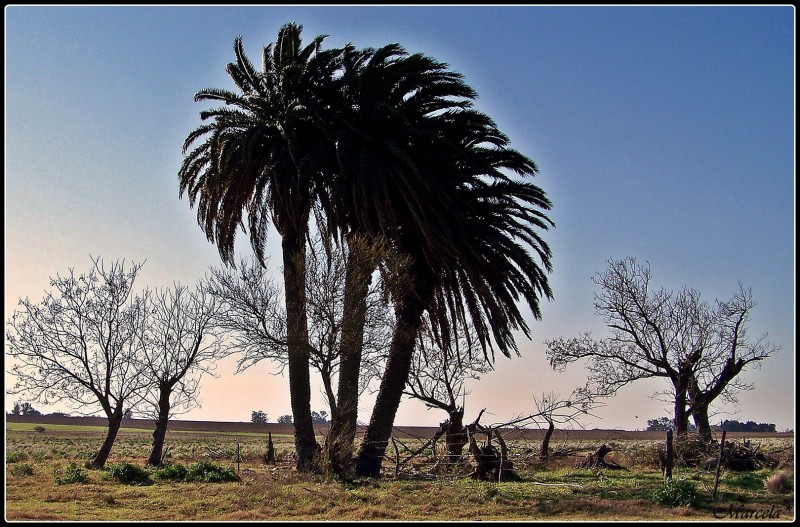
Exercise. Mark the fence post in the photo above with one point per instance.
(668, 460)
(719, 464)
(238, 458)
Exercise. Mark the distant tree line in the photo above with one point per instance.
(663, 424)
(749, 426)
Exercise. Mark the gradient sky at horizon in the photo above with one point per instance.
(663, 133)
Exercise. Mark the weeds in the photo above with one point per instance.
(210, 473)
(129, 474)
(22, 469)
(676, 492)
(72, 474)
(171, 472)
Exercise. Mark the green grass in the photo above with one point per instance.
(24, 427)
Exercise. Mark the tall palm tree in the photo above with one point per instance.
(469, 252)
(263, 156)
(379, 127)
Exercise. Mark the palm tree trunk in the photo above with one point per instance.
(114, 423)
(160, 433)
(360, 265)
(294, 275)
(395, 377)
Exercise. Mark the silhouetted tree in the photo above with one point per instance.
(259, 416)
(181, 345)
(656, 333)
(437, 378)
(285, 419)
(260, 158)
(83, 344)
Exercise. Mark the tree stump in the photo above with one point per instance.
(596, 460)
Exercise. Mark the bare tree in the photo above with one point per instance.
(717, 372)
(349, 350)
(657, 333)
(82, 344)
(250, 310)
(555, 410)
(181, 344)
(437, 377)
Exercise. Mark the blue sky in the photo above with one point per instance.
(663, 133)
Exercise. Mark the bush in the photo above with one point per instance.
(171, 472)
(22, 469)
(14, 457)
(72, 474)
(676, 493)
(210, 473)
(129, 474)
(778, 483)
(39, 429)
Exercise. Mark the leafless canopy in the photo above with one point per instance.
(181, 345)
(659, 333)
(82, 343)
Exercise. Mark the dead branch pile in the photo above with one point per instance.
(491, 464)
(741, 457)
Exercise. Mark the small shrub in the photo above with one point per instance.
(171, 472)
(778, 483)
(210, 473)
(22, 469)
(129, 474)
(72, 474)
(38, 429)
(15, 457)
(676, 493)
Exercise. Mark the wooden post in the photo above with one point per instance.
(719, 465)
(668, 460)
(270, 450)
(238, 458)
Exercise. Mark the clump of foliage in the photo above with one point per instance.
(171, 472)
(22, 469)
(778, 483)
(676, 492)
(15, 457)
(208, 472)
(72, 474)
(129, 474)
(39, 429)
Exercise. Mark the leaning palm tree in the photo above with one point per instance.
(470, 232)
(262, 158)
(380, 127)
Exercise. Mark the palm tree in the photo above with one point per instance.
(263, 155)
(380, 128)
(469, 261)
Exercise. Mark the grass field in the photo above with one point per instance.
(546, 491)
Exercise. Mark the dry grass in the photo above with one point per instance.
(547, 491)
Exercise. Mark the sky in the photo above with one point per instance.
(662, 133)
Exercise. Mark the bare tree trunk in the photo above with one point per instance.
(161, 428)
(114, 423)
(456, 438)
(344, 418)
(294, 275)
(395, 377)
(681, 416)
(700, 415)
(544, 450)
